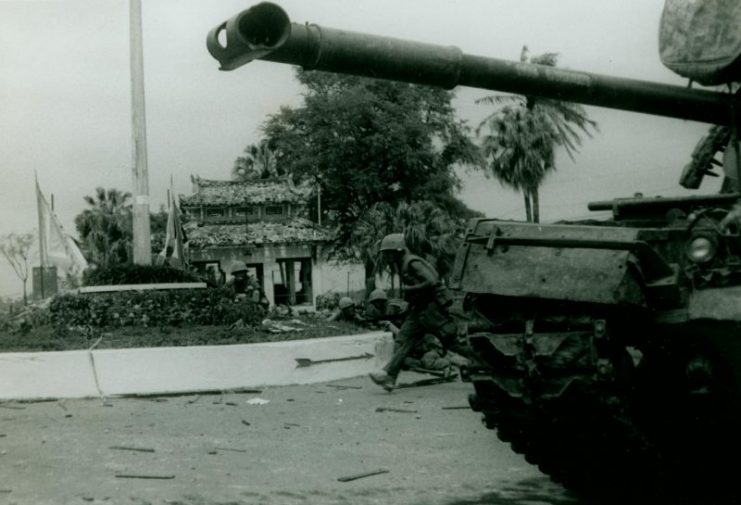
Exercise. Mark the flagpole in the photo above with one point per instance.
(141, 232)
(42, 236)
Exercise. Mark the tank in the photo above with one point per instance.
(609, 352)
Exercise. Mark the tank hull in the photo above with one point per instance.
(600, 362)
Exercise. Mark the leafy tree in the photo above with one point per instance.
(523, 136)
(367, 141)
(16, 249)
(105, 228)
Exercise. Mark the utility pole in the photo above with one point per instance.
(141, 233)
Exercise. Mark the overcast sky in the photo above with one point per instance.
(65, 95)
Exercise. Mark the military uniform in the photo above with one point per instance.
(245, 286)
(428, 314)
(393, 311)
(430, 355)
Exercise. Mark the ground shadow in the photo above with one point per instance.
(533, 491)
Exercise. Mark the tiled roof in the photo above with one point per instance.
(215, 192)
(223, 235)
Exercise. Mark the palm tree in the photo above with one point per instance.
(259, 161)
(523, 135)
(105, 228)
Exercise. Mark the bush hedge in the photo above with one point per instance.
(327, 301)
(135, 274)
(204, 307)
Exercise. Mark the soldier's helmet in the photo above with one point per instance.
(238, 266)
(377, 295)
(346, 302)
(393, 242)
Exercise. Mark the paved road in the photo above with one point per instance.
(220, 449)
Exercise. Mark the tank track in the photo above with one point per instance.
(581, 441)
(604, 442)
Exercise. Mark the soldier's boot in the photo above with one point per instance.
(384, 380)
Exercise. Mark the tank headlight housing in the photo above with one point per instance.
(701, 249)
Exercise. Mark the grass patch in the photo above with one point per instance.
(44, 338)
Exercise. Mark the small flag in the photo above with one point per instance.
(173, 252)
(56, 248)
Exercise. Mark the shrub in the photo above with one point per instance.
(327, 301)
(136, 274)
(152, 308)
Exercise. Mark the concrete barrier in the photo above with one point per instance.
(41, 375)
(168, 370)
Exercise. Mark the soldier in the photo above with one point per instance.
(428, 302)
(345, 311)
(428, 354)
(244, 286)
(383, 311)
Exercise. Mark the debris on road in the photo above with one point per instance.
(257, 401)
(391, 409)
(133, 476)
(126, 448)
(276, 327)
(363, 475)
(191, 402)
(342, 387)
(231, 404)
(426, 382)
(162, 396)
(304, 362)
(245, 422)
(230, 449)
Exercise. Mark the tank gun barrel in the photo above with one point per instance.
(265, 32)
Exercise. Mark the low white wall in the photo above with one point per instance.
(187, 369)
(38, 375)
(337, 277)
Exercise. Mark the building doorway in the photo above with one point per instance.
(292, 282)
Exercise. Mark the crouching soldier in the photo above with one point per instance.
(428, 302)
(246, 287)
(345, 311)
(384, 312)
(430, 355)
